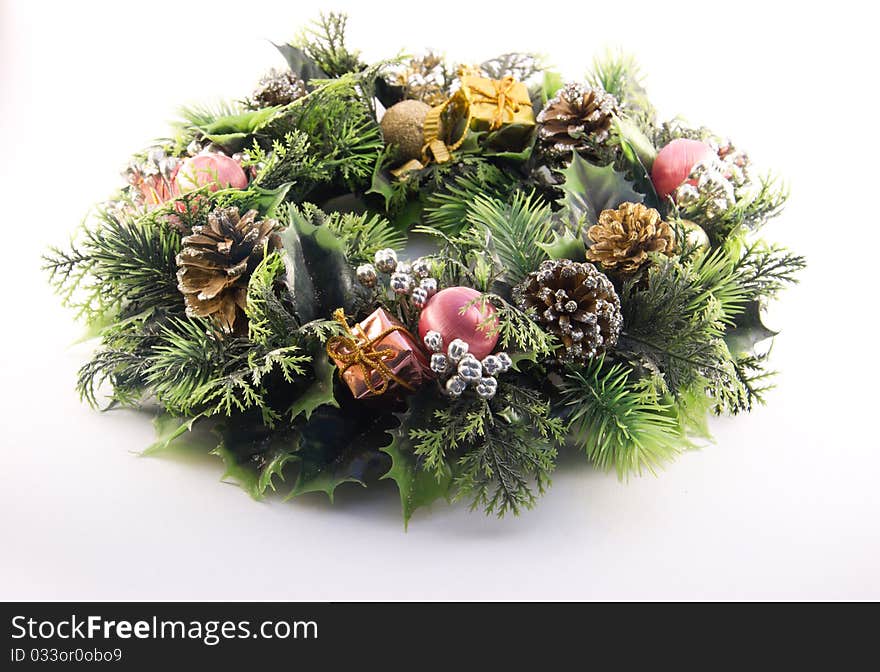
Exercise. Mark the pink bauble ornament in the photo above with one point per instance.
(216, 170)
(443, 314)
(674, 163)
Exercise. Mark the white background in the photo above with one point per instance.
(785, 505)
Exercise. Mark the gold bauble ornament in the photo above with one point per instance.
(402, 126)
(694, 235)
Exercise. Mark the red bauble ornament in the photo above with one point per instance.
(216, 170)
(443, 314)
(675, 162)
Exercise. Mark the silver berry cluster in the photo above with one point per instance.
(156, 164)
(458, 369)
(717, 182)
(411, 279)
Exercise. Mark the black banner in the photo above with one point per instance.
(397, 635)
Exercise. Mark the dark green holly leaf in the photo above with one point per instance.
(417, 487)
(299, 63)
(591, 189)
(296, 276)
(639, 153)
(254, 456)
(748, 331)
(320, 390)
(337, 447)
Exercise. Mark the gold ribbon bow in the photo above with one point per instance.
(356, 349)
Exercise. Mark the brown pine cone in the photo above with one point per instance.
(578, 118)
(278, 88)
(576, 303)
(217, 261)
(623, 238)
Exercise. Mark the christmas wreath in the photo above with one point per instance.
(441, 275)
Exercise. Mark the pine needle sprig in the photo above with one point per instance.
(516, 230)
(124, 265)
(324, 43)
(446, 207)
(619, 425)
(765, 270)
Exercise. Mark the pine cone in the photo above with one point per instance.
(623, 238)
(217, 261)
(278, 88)
(575, 302)
(578, 118)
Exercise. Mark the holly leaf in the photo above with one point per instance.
(320, 390)
(255, 457)
(589, 189)
(565, 246)
(300, 63)
(639, 152)
(417, 486)
(169, 430)
(335, 448)
(323, 254)
(232, 131)
(748, 331)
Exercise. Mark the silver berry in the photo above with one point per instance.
(455, 386)
(366, 275)
(434, 341)
(492, 365)
(421, 268)
(469, 368)
(429, 285)
(505, 360)
(401, 283)
(487, 387)
(439, 362)
(457, 349)
(385, 260)
(419, 297)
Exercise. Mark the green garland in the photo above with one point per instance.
(317, 164)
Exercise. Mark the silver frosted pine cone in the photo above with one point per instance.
(576, 303)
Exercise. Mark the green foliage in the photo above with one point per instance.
(324, 43)
(754, 206)
(121, 267)
(589, 189)
(328, 137)
(618, 73)
(418, 487)
(764, 270)
(318, 276)
(516, 332)
(510, 442)
(515, 231)
(620, 424)
(446, 208)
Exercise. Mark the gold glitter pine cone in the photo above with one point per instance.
(578, 118)
(624, 238)
(575, 302)
(217, 261)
